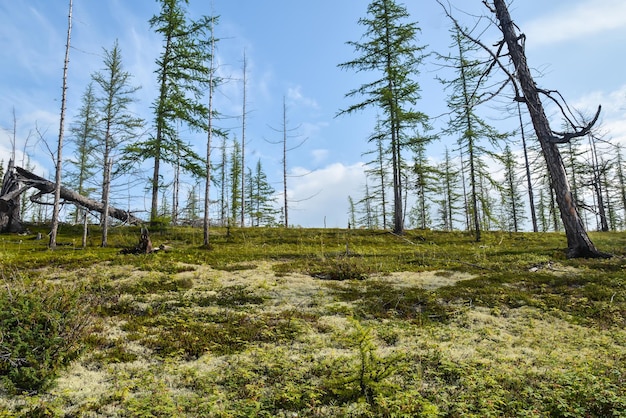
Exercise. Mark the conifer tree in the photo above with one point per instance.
(425, 185)
(389, 51)
(620, 177)
(450, 198)
(512, 205)
(378, 171)
(262, 198)
(351, 213)
(234, 181)
(223, 182)
(475, 135)
(84, 136)
(369, 216)
(183, 75)
(117, 124)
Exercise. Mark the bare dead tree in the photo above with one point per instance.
(207, 184)
(285, 131)
(59, 161)
(512, 49)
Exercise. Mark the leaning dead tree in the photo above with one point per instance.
(17, 180)
(512, 49)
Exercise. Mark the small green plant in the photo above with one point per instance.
(365, 375)
(42, 329)
(341, 268)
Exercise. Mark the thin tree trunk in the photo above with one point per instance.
(207, 184)
(106, 189)
(59, 162)
(531, 198)
(243, 142)
(578, 242)
(286, 207)
(604, 225)
(176, 187)
(160, 116)
(383, 182)
(85, 228)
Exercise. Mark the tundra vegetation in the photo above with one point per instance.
(287, 322)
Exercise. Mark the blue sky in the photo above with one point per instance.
(292, 49)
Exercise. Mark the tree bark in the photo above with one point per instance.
(59, 157)
(10, 219)
(578, 242)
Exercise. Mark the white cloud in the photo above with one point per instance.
(587, 18)
(294, 95)
(319, 155)
(320, 197)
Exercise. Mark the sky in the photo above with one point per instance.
(292, 49)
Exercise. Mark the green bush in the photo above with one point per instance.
(42, 328)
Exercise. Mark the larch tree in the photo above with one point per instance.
(449, 201)
(378, 170)
(476, 138)
(262, 198)
(369, 216)
(117, 125)
(389, 52)
(575, 168)
(235, 170)
(512, 204)
(529, 181)
(597, 184)
(84, 137)
(223, 181)
(211, 130)
(182, 78)
(620, 181)
(351, 213)
(424, 184)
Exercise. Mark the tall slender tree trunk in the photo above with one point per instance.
(531, 197)
(578, 242)
(597, 182)
(243, 142)
(621, 183)
(383, 181)
(106, 191)
(464, 184)
(160, 122)
(285, 205)
(223, 204)
(176, 187)
(207, 184)
(57, 178)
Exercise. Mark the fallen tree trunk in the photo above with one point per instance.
(10, 191)
(20, 180)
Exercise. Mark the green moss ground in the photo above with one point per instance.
(334, 323)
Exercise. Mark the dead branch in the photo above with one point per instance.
(565, 137)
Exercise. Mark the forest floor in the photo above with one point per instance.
(325, 323)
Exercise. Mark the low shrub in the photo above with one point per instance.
(42, 329)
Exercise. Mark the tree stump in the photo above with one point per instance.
(143, 247)
(10, 219)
